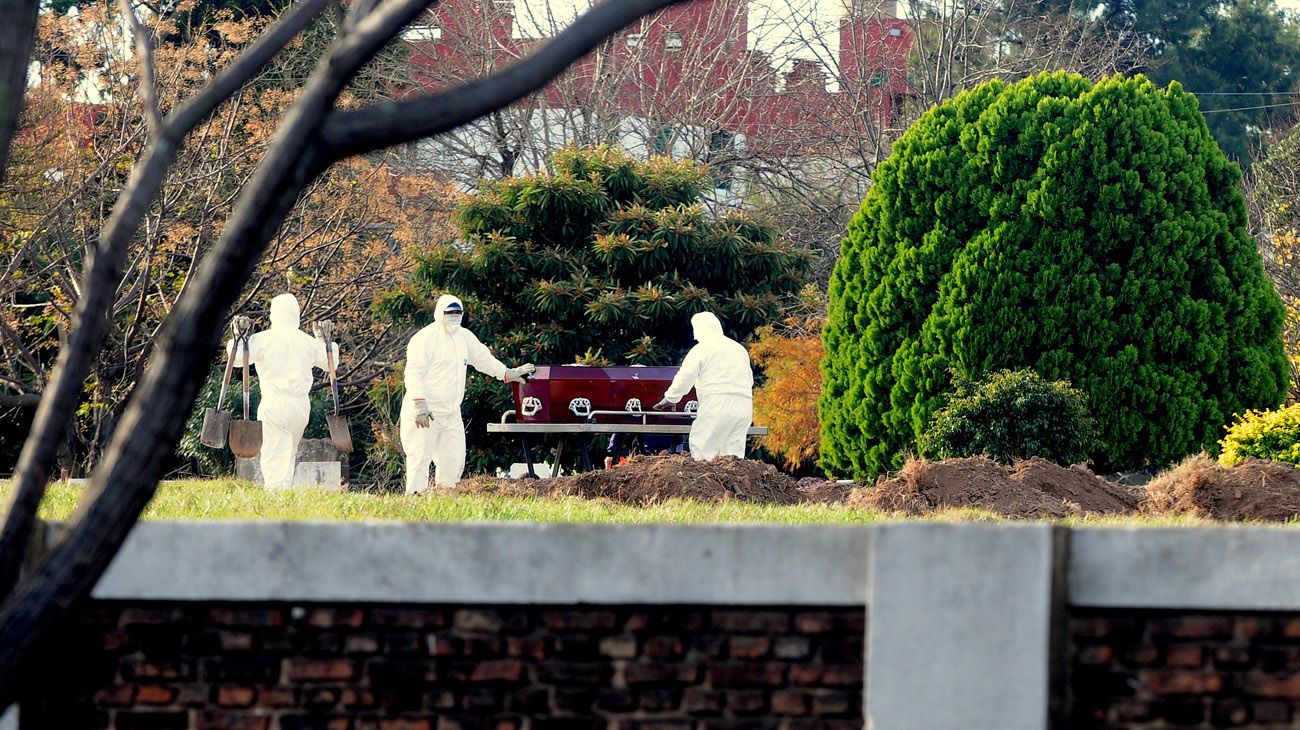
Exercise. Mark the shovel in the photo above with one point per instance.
(340, 435)
(216, 422)
(245, 435)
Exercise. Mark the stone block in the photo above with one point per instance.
(309, 450)
(324, 474)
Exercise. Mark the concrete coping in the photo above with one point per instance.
(506, 563)
(1228, 568)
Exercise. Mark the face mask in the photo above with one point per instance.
(451, 320)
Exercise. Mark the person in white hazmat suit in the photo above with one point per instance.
(284, 356)
(718, 368)
(431, 427)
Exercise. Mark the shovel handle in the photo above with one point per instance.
(230, 368)
(324, 330)
(244, 338)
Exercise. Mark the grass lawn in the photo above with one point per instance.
(227, 499)
(224, 499)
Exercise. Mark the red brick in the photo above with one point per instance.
(651, 673)
(1103, 628)
(824, 622)
(140, 615)
(1095, 655)
(407, 618)
(194, 695)
(1192, 627)
(1182, 683)
(829, 675)
(361, 644)
(662, 647)
(1290, 628)
(401, 724)
(1232, 657)
(353, 698)
(528, 648)
(670, 619)
(790, 703)
(316, 670)
(155, 694)
(321, 698)
(313, 722)
(501, 670)
(749, 647)
(733, 674)
(1253, 627)
(701, 701)
(270, 617)
(442, 644)
(329, 618)
(277, 697)
(236, 696)
(140, 669)
(1144, 655)
(772, 622)
(747, 702)
(579, 620)
(832, 703)
(1185, 656)
(231, 721)
(1279, 687)
(112, 642)
(622, 646)
(574, 673)
(235, 640)
(118, 695)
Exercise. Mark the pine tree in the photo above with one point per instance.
(1092, 233)
(602, 262)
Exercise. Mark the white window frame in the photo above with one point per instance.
(422, 32)
(672, 41)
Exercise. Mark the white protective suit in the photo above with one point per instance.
(435, 371)
(284, 356)
(718, 369)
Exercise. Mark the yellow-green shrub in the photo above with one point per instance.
(1272, 435)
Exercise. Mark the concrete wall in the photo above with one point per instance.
(970, 625)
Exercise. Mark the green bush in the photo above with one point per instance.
(1272, 435)
(1011, 414)
(1090, 232)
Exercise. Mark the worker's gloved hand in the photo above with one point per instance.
(521, 373)
(422, 415)
(664, 405)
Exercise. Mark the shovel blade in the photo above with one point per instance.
(246, 438)
(216, 424)
(340, 435)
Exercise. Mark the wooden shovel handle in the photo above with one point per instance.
(244, 339)
(325, 330)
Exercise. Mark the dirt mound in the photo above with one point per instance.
(1267, 491)
(648, 479)
(1033, 489)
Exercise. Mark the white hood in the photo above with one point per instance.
(445, 301)
(706, 326)
(285, 312)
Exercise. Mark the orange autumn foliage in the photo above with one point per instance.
(787, 401)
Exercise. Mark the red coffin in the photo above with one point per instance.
(577, 394)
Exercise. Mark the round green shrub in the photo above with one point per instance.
(1090, 232)
(1011, 414)
(1272, 435)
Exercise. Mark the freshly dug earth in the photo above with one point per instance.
(1267, 491)
(648, 479)
(1032, 489)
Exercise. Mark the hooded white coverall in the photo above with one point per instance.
(284, 356)
(435, 371)
(718, 369)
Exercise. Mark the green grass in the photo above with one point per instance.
(234, 500)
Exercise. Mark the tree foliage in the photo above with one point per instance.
(603, 262)
(1008, 415)
(1263, 434)
(786, 402)
(350, 235)
(1091, 232)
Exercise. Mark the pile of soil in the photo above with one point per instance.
(1267, 491)
(645, 480)
(1032, 489)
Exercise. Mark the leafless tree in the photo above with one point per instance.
(315, 134)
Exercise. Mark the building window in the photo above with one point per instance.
(634, 40)
(879, 79)
(663, 141)
(672, 41)
(419, 33)
(895, 32)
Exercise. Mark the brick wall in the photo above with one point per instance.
(1192, 670)
(438, 668)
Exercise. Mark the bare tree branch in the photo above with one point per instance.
(149, 85)
(17, 34)
(385, 125)
(89, 321)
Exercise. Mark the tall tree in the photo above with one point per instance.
(315, 134)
